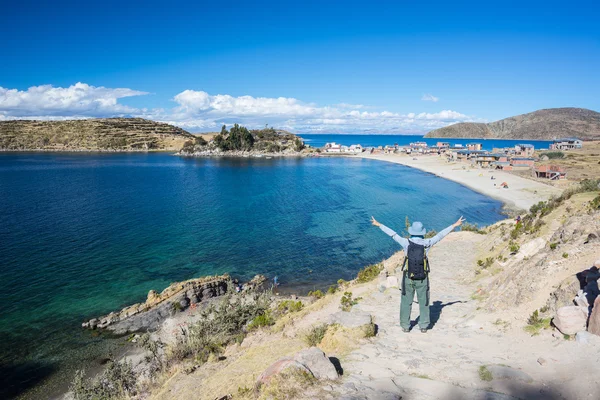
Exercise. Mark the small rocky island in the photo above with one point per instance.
(240, 141)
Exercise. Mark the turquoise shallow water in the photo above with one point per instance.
(319, 140)
(85, 234)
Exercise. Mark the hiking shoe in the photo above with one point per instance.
(423, 330)
(405, 330)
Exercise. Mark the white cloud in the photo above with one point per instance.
(196, 109)
(77, 100)
(201, 111)
(430, 97)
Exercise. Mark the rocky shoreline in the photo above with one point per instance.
(241, 154)
(159, 306)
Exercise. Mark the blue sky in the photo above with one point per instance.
(306, 66)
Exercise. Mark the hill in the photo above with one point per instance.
(106, 134)
(547, 124)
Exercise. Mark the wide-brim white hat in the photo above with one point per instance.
(417, 229)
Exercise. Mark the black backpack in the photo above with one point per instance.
(416, 264)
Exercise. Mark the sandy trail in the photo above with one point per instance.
(521, 194)
(445, 362)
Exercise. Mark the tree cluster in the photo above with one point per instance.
(237, 138)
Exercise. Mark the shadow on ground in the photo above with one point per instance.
(15, 380)
(435, 312)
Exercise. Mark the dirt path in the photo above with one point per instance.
(464, 343)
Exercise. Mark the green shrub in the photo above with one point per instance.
(513, 247)
(565, 255)
(369, 273)
(200, 141)
(485, 264)
(535, 323)
(430, 234)
(485, 374)
(290, 306)
(347, 301)
(537, 207)
(315, 335)
(332, 289)
(117, 381)
(317, 294)
(261, 320)
(223, 323)
(472, 228)
(553, 245)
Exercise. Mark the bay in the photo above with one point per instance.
(85, 234)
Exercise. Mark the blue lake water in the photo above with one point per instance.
(84, 234)
(319, 140)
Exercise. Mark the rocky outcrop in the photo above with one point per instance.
(158, 306)
(105, 134)
(594, 323)
(544, 124)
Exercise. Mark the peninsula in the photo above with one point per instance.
(547, 124)
(104, 134)
(240, 141)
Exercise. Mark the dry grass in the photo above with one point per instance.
(237, 371)
(340, 341)
(579, 164)
(291, 384)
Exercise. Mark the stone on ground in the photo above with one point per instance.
(570, 319)
(587, 338)
(278, 367)
(317, 362)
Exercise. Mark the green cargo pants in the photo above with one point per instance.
(406, 300)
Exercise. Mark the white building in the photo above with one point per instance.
(355, 148)
(333, 147)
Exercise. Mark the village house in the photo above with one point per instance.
(566, 144)
(484, 160)
(524, 150)
(355, 148)
(418, 145)
(333, 148)
(468, 155)
(442, 145)
(552, 172)
(522, 162)
(474, 146)
(503, 165)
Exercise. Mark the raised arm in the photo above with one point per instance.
(444, 233)
(399, 239)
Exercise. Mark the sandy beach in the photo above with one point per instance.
(521, 194)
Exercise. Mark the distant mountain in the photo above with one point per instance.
(105, 134)
(547, 124)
